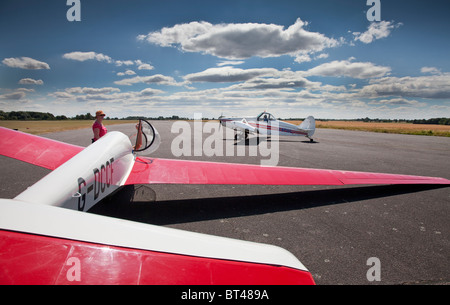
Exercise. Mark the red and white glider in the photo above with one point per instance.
(45, 239)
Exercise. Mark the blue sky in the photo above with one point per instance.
(292, 58)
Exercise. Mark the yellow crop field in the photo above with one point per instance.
(400, 128)
(40, 127)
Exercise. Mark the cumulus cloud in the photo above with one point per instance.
(30, 81)
(302, 58)
(25, 63)
(276, 83)
(431, 70)
(252, 79)
(150, 92)
(83, 56)
(347, 68)
(228, 74)
(127, 72)
(397, 102)
(433, 87)
(230, 63)
(124, 62)
(376, 30)
(153, 79)
(145, 67)
(13, 96)
(89, 90)
(241, 40)
(107, 96)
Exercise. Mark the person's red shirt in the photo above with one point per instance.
(102, 129)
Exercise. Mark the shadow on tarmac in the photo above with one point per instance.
(138, 203)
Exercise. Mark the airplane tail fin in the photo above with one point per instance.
(309, 125)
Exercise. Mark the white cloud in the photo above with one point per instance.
(83, 56)
(302, 58)
(61, 95)
(145, 67)
(153, 79)
(431, 70)
(230, 63)
(376, 30)
(276, 83)
(433, 87)
(253, 79)
(124, 62)
(150, 92)
(321, 56)
(397, 102)
(25, 63)
(127, 72)
(228, 74)
(30, 81)
(89, 90)
(347, 68)
(107, 97)
(178, 34)
(241, 40)
(13, 96)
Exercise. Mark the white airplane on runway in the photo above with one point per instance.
(266, 124)
(46, 238)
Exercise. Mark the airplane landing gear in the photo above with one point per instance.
(239, 136)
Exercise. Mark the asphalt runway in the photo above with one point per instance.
(333, 231)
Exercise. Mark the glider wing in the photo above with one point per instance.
(42, 244)
(36, 150)
(162, 171)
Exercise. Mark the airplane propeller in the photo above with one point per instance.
(220, 121)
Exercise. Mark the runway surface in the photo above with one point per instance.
(333, 231)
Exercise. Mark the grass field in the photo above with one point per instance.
(40, 127)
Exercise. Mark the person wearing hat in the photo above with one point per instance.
(98, 128)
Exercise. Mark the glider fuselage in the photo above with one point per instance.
(88, 177)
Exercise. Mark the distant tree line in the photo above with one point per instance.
(173, 117)
(438, 121)
(46, 116)
(434, 121)
(29, 115)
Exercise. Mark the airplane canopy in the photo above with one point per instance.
(147, 139)
(265, 116)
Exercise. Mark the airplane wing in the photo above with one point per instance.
(167, 171)
(241, 125)
(36, 150)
